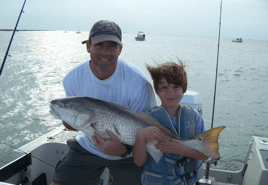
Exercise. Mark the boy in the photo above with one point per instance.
(179, 164)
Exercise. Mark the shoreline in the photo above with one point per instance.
(22, 30)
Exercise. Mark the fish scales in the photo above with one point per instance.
(122, 123)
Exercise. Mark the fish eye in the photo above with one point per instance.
(199, 139)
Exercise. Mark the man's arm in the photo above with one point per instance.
(114, 147)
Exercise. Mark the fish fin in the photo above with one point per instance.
(153, 151)
(210, 142)
(148, 118)
(119, 106)
(106, 102)
(88, 130)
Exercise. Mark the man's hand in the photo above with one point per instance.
(114, 147)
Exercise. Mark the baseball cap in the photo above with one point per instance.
(105, 30)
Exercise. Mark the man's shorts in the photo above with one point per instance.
(79, 166)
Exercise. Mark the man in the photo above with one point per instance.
(110, 79)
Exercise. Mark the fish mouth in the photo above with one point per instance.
(53, 112)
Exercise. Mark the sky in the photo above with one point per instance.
(240, 18)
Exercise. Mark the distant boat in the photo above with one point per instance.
(140, 36)
(78, 32)
(65, 31)
(239, 40)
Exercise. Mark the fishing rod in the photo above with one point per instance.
(15, 29)
(215, 162)
(216, 77)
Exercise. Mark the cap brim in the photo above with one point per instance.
(102, 38)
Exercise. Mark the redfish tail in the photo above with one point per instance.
(210, 142)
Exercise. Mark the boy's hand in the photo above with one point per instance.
(173, 146)
(114, 147)
(152, 133)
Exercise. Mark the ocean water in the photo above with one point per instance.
(39, 60)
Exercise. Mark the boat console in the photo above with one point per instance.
(257, 162)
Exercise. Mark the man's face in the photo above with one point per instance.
(104, 55)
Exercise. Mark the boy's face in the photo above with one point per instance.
(170, 94)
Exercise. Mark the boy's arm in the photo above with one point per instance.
(176, 147)
(139, 150)
(139, 147)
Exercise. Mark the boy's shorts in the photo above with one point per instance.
(79, 166)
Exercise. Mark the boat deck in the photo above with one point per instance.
(62, 136)
(47, 150)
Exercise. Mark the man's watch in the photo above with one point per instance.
(129, 150)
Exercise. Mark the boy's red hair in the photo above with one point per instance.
(173, 73)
